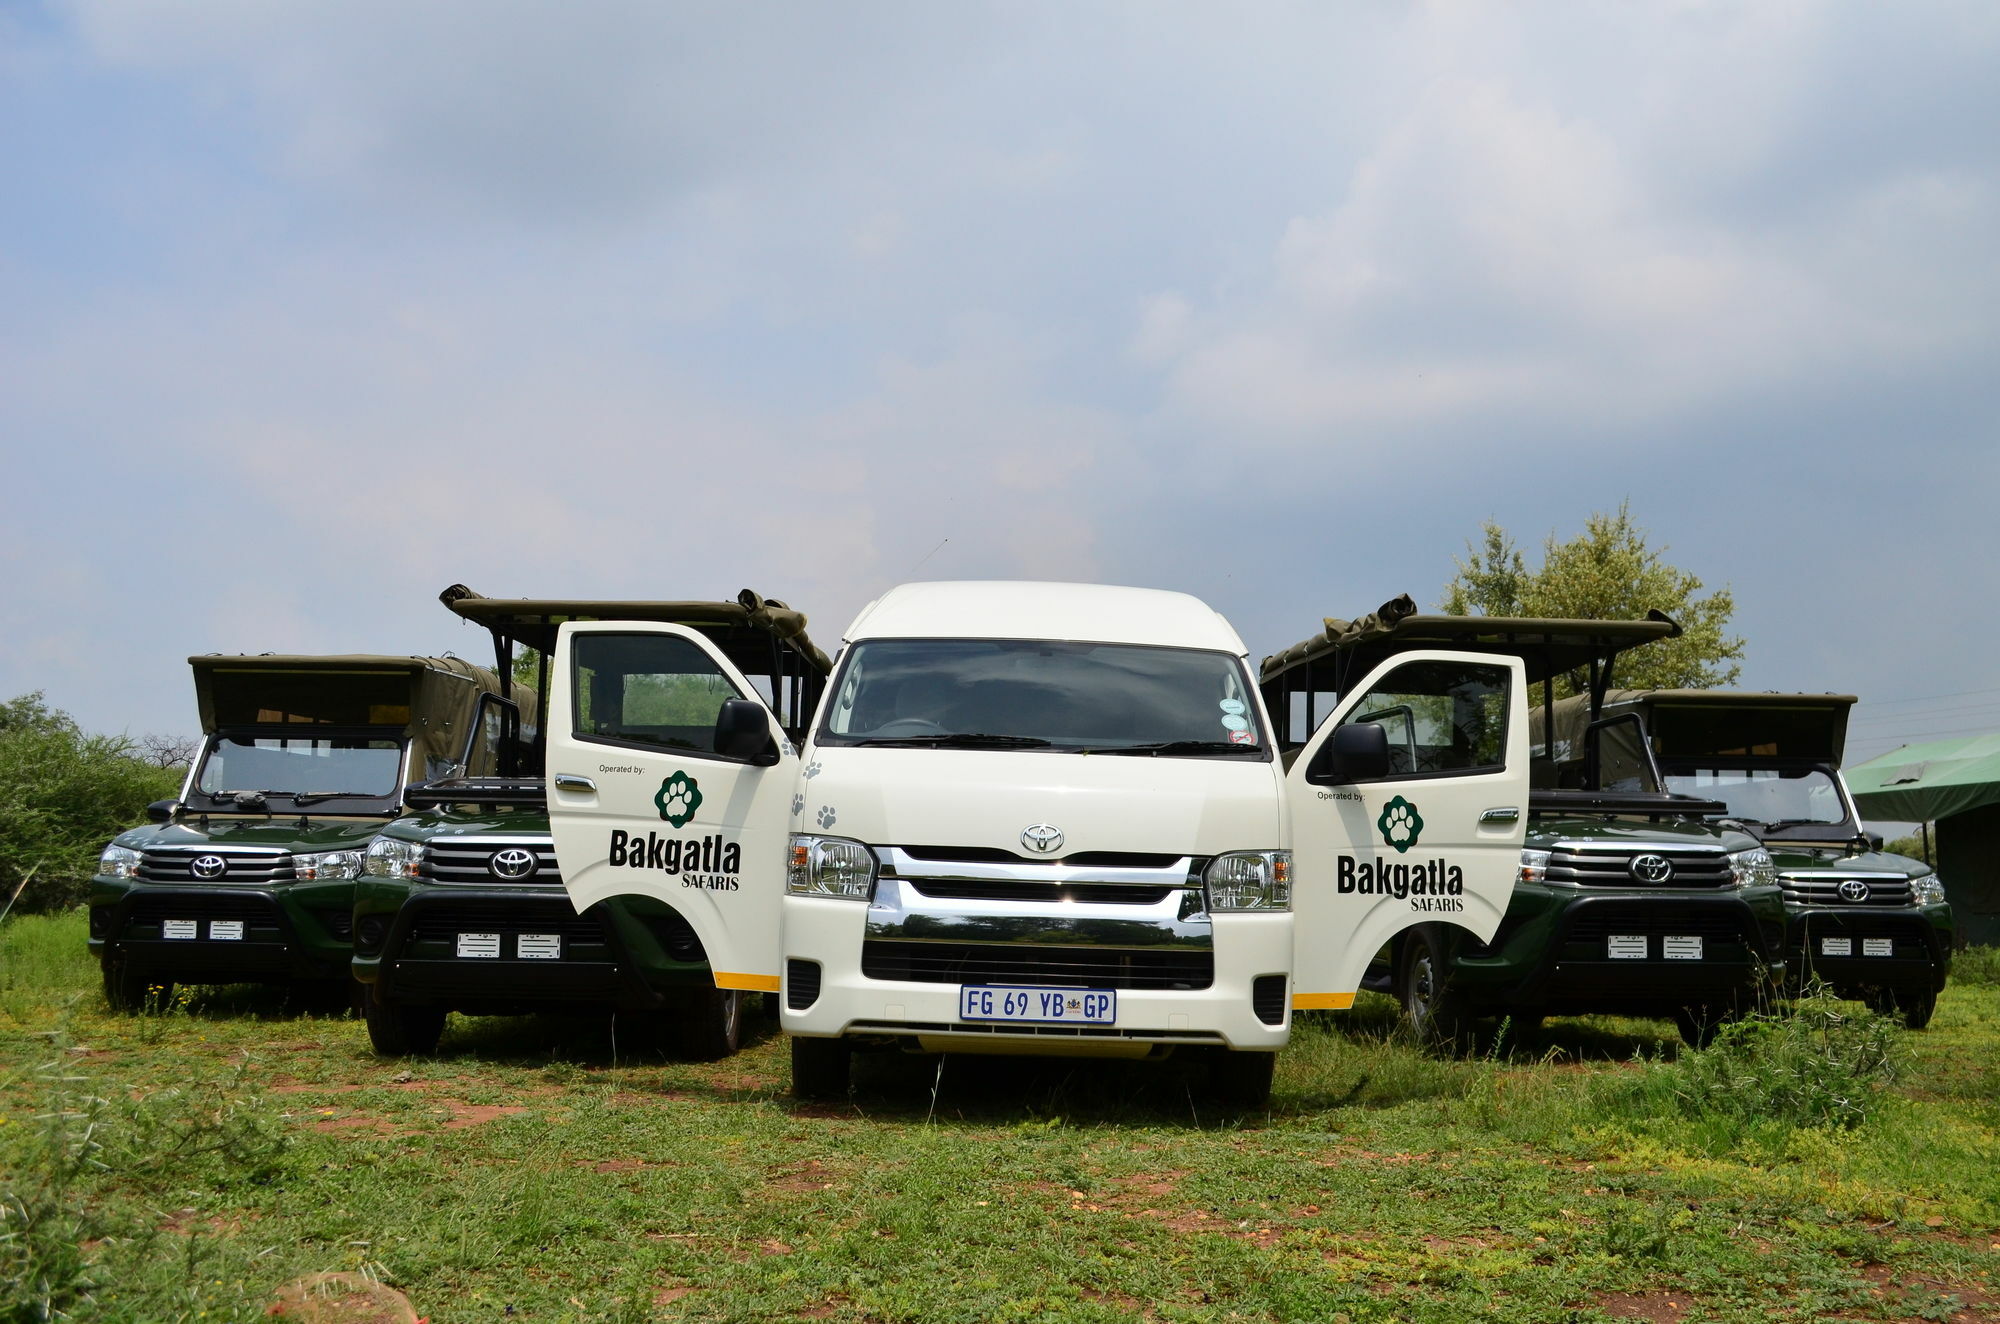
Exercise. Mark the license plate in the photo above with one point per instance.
(539, 946)
(1878, 946)
(226, 930)
(1626, 946)
(1836, 946)
(1681, 948)
(479, 944)
(179, 928)
(1014, 1002)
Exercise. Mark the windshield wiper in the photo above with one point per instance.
(1799, 822)
(1170, 747)
(956, 740)
(314, 797)
(242, 799)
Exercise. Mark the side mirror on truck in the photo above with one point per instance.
(162, 811)
(743, 731)
(1357, 753)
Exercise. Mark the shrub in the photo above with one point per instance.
(1821, 1064)
(1976, 965)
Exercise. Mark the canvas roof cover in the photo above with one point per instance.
(429, 699)
(1932, 780)
(1692, 724)
(743, 629)
(1547, 646)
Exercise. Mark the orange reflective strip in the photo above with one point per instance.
(1322, 1001)
(754, 983)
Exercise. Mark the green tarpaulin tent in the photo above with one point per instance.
(1929, 781)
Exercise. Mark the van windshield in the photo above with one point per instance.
(310, 767)
(1055, 697)
(1774, 797)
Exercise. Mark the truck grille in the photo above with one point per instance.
(1082, 967)
(478, 860)
(444, 921)
(1689, 867)
(1824, 890)
(259, 915)
(177, 864)
(1654, 921)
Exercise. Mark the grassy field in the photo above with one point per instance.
(185, 1166)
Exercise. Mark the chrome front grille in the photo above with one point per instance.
(1096, 878)
(238, 865)
(1592, 866)
(471, 861)
(1823, 889)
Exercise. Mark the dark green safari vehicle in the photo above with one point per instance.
(249, 876)
(1871, 925)
(1630, 900)
(462, 905)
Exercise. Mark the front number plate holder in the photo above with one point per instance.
(485, 946)
(1035, 1004)
(1626, 946)
(1681, 948)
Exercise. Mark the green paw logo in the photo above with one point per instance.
(678, 798)
(1400, 824)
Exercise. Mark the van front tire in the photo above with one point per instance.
(1435, 1010)
(821, 1068)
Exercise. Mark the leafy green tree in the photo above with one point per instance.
(63, 795)
(1605, 573)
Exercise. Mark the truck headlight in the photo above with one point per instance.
(1534, 867)
(1753, 868)
(327, 866)
(1250, 880)
(118, 862)
(390, 857)
(1927, 891)
(830, 866)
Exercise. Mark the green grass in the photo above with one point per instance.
(183, 1167)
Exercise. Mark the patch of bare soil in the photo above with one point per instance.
(462, 1116)
(1658, 1307)
(341, 1298)
(826, 1309)
(666, 1296)
(812, 1175)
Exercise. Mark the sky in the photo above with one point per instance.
(310, 310)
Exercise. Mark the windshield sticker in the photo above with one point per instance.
(678, 797)
(1235, 722)
(1234, 707)
(1400, 824)
(1242, 737)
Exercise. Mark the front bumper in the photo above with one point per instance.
(299, 931)
(1918, 942)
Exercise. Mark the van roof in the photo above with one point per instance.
(1025, 609)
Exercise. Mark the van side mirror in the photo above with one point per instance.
(743, 731)
(1357, 753)
(162, 811)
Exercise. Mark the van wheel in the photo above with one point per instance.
(711, 1024)
(126, 989)
(1916, 1005)
(1433, 1008)
(1241, 1080)
(821, 1068)
(397, 1030)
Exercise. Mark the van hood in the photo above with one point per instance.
(986, 799)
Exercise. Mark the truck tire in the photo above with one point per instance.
(1433, 1009)
(129, 990)
(1915, 1004)
(710, 1026)
(396, 1030)
(821, 1068)
(1241, 1080)
(1699, 1025)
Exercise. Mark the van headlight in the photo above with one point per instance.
(1250, 880)
(391, 857)
(327, 866)
(830, 866)
(1753, 868)
(1927, 891)
(119, 862)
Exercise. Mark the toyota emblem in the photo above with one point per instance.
(1852, 889)
(1042, 838)
(513, 862)
(208, 866)
(1652, 868)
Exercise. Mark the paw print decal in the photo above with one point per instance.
(826, 816)
(812, 770)
(678, 798)
(798, 805)
(1400, 824)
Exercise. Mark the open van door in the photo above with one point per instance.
(669, 777)
(1408, 806)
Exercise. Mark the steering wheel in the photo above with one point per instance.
(908, 726)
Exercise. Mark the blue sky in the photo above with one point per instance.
(309, 310)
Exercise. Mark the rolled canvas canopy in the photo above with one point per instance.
(744, 629)
(1933, 780)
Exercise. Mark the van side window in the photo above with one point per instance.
(648, 689)
(1441, 717)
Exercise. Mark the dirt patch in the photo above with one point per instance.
(623, 1165)
(810, 1176)
(191, 1222)
(1655, 1306)
(826, 1309)
(301, 1087)
(342, 1298)
(666, 1296)
(380, 1126)
(1975, 1305)
(1144, 1184)
(464, 1115)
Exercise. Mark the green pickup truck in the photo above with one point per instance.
(1868, 924)
(249, 875)
(1630, 898)
(462, 906)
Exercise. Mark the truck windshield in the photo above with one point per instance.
(1044, 697)
(307, 766)
(1772, 796)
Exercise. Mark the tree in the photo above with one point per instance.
(1606, 573)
